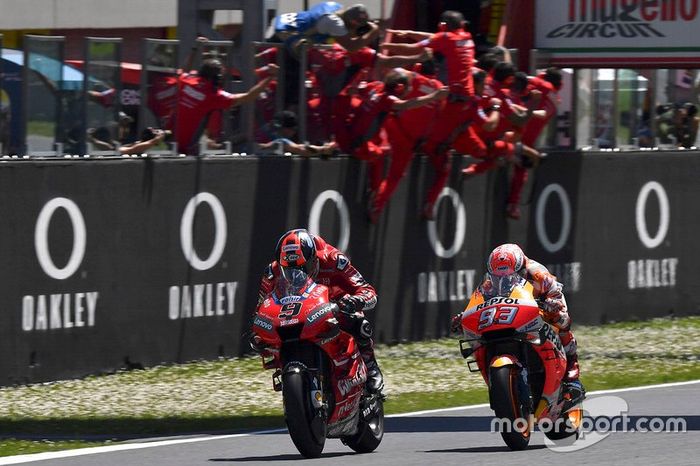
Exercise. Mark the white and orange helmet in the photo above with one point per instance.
(506, 259)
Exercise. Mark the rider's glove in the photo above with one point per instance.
(348, 304)
(456, 325)
(256, 343)
(550, 305)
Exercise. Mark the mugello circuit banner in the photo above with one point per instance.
(109, 264)
(619, 33)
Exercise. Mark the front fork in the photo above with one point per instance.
(316, 382)
(523, 384)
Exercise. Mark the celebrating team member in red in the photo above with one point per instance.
(406, 131)
(534, 93)
(548, 83)
(200, 95)
(299, 250)
(358, 134)
(487, 139)
(455, 44)
(335, 68)
(514, 115)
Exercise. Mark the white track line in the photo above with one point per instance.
(162, 443)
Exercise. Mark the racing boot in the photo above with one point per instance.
(513, 211)
(574, 392)
(375, 379)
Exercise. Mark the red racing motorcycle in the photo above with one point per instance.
(521, 360)
(318, 369)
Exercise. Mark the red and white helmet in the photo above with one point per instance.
(506, 259)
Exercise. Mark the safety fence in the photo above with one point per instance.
(58, 107)
(110, 263)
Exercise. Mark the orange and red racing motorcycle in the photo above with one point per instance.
(522, 361)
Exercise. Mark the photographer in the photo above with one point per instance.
(678, 124)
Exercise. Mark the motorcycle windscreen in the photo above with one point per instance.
(503, 285)
(292, 281)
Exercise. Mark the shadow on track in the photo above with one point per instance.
(438, 424)
(491, 449)
(284, 457)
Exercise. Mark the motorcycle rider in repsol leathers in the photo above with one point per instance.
(509, 259)
(347, 288)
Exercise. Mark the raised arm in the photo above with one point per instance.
(440, 94)
(411, 35)
(402, 49)
(257, 89)
(353, 44)
(397, 61)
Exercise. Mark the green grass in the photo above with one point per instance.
(25, 447)
(236, 394)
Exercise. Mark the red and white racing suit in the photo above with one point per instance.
(548, 291)
(345, 286)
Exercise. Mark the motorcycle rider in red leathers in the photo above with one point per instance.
(508, 259)
(326, 265)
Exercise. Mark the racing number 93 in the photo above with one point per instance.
(289, 310)
(497, 315)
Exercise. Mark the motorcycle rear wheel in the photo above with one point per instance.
(299, 416)
(506, 404)
(369, 432)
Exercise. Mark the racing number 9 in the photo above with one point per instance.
(498, 315)
(289, 310)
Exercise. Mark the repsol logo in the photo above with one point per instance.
(262, 323)
(547, 333)
(497, 300)
(622, 18)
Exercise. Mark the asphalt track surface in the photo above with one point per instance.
(446, 437)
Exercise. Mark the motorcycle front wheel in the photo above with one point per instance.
(509, 408)
(307, 433)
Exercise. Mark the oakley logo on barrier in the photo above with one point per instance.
(460, 227)
(41, 242)
(540, 210)
(186, 231)
(341, 206)
(664, 215)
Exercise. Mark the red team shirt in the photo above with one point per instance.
(197, 98)
(368, 116)
(458, 49)
(413, 121)
(535, 126)
(162, 98)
